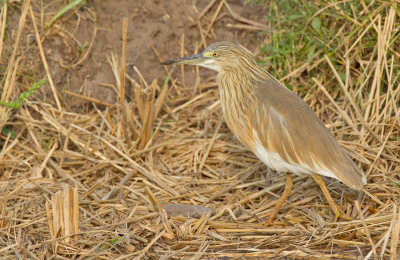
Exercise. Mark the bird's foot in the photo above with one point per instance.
(340, 214)
(335, 209)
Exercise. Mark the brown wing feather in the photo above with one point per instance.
(286, 125)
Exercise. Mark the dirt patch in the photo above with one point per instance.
(152, 24)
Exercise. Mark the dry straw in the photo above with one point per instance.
(162, 176)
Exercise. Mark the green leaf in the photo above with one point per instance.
(5, 131)
(24, 95)
(342, 75)
(116, 240)
(316, 24)
(311, 53)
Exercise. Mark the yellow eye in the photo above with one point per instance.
(214, 54)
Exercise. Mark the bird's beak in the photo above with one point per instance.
(192, 60)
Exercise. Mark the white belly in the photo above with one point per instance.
(275, 161)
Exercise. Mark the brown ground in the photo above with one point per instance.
(193, 191)
(158, 24)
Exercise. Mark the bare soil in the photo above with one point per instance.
(152, 24)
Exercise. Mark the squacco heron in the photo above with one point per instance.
(274, 123)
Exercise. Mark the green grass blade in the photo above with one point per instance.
(68, 7)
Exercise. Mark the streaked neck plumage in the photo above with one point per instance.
(237, 98)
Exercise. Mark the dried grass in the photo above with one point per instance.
(135, 165)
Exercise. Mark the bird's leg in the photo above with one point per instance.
(322, 185)
(281, 200)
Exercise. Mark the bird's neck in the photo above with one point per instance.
(239, 82)
(236, 91)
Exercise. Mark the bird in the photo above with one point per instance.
(274, 123)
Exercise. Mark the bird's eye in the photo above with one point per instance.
(214, 54)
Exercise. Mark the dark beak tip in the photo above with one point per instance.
(168, 62)
(183, 60)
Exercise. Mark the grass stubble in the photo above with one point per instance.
(161, 175)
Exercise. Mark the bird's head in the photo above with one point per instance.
(218, 56)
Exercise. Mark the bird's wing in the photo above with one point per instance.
(286, 125)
